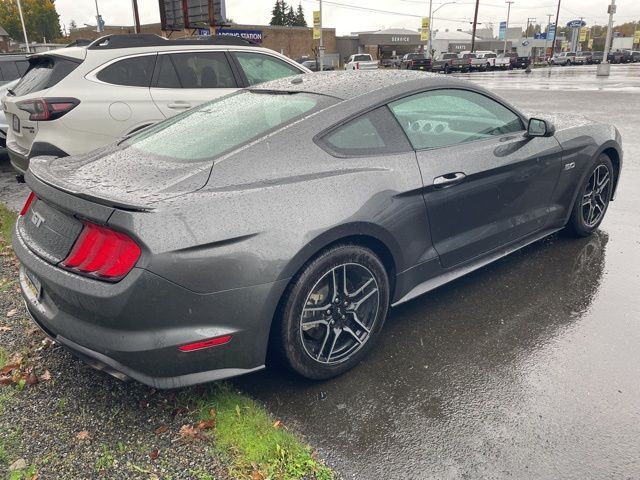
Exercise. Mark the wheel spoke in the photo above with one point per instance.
(314, 323)
(358, 322)
(361, 289)
(353, 334)
(586, 199)
(324, 343)
(333, 344)
(314, 309)
(357, 304)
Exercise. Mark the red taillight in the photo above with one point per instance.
(44, 109)
(103, 253)
(212, 342)
(410, 64)
(27, 204)
(357, 65)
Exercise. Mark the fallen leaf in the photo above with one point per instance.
(154, 454)
(31, 379)
(6, 380)
(19, 464)
(35, 476)
(188, 432)
(256, 475)
(161, 429)
(277, 425)
(83, 435)
(207, 424)
(8, 368)
(178, 411)
(12, 312)
(46, 376)
(5, 329)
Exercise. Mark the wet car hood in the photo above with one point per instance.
(122, 177)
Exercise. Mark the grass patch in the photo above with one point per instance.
(4, 357)
(253, 444)
(7, 221)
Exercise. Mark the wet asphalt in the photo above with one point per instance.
(527, 368)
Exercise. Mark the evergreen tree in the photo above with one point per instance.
(300, 20)
(291, 18)
(278, 13)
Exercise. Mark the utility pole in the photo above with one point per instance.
(556, 30)
(605, 67)
(136, 16)
(509, 2)
(24, 30)
(430, 20)
(321, 46)
(473, 31)
(546, 37)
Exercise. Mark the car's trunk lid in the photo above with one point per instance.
(122, 177)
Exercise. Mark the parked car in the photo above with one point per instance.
(519, 61)
(74, 100)
(393, 61)
(635, 56)
(314, 65)
(596, 57)
(171, 262)
(563, 58)
(449, 62)
(361, 61)
(489, 59)
(503, 61)
(583, 58)
(4, 126)
(12, 67)
(625, 56)
(416, 61)
(473, 62)
(615, 57)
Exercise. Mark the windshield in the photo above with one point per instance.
(415, 56)
(224, 124)
(361, 58)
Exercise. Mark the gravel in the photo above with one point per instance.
(84, 424)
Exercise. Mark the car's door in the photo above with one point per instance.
(486, 183)
(184, 80)
(259, 67)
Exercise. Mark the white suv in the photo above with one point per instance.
(74, 100)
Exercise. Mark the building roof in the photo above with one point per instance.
(453, 35)
(3, 32)
(395, 31)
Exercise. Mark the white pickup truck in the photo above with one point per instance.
(361, 61)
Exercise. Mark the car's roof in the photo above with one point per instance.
(346, 84)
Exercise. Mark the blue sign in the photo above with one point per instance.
(254, 36)
(540, 36)
(551, 34)
(502, 33)
(576, 23)
(204, 32)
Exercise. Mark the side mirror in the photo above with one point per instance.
(540, 128)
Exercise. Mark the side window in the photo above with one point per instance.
(374, 133)
(132, 72)
(167, 75)
(450, 117)
(201, 70)
(260, 68)
(23, 66)
(9, 70)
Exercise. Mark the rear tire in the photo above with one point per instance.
(593, 198)
(332, 312)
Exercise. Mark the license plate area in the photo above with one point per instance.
(33, 284)
(16, 124)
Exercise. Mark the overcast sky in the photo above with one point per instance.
(393, 13)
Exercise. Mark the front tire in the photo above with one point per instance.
(593, 198)
(333, 311)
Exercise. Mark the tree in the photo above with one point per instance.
(73, 25)
(278, 14)
(40, 17)
(300, 20)
(290, 18)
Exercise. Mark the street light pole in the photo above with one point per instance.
(506, 29)
(321, 47)
(431, 21)
(605, 67)
(136, 16)
(24, 30)
(556, 30)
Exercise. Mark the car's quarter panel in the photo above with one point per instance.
(504, 196)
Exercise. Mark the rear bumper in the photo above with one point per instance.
(133, 328)
(20, 157)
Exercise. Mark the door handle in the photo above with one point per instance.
(449, 179)
(179, 105)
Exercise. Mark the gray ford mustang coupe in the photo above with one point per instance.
(288, 217)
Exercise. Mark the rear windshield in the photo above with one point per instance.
(362, 58)
(450, 55)
(44, 72)
(224, 124)
(415, 56)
